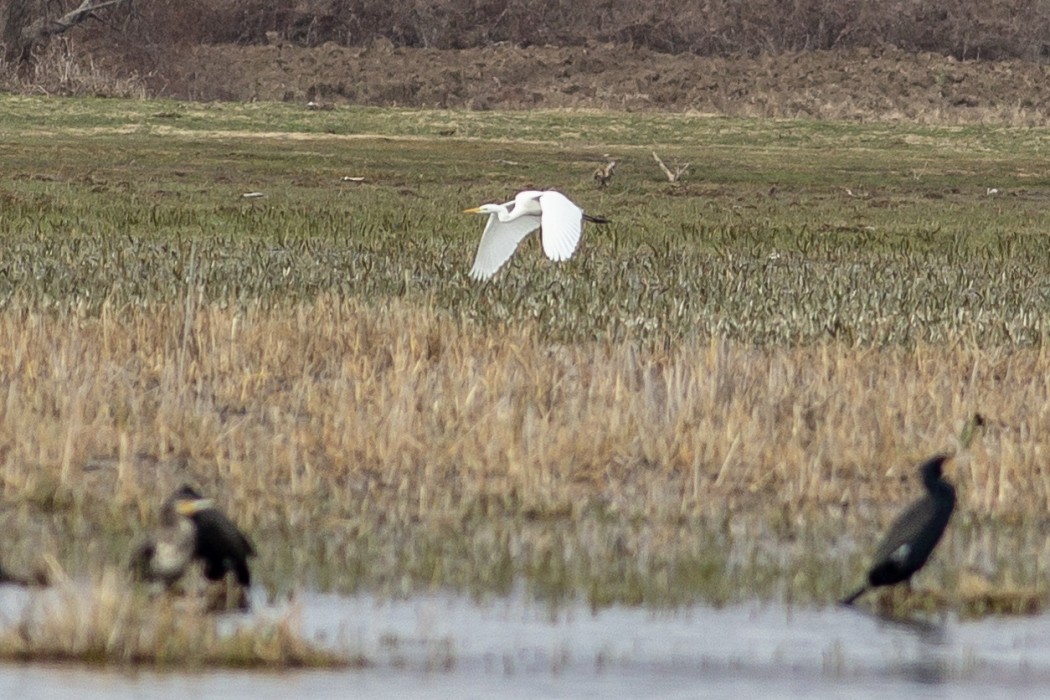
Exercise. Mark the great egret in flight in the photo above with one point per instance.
(558, 218)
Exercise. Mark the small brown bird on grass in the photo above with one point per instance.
(604, 173)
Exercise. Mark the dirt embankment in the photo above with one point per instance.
(854, 84)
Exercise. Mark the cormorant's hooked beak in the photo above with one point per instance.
(970, 430)
(948, 465)
(189, 508)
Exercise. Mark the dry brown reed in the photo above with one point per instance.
(393, 445)
(64, 68)
(335, 405)
(105, 622)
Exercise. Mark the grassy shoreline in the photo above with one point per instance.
(103, 623)
(723, 397)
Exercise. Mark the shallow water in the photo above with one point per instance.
(449, 646)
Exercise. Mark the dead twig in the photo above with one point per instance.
(672, 177)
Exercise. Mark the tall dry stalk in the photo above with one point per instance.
(275, 408)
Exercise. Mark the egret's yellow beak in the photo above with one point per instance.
(474, 210)
(191, 508)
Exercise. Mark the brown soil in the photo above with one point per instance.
(856, 84)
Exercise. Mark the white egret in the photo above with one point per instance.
(558, 218)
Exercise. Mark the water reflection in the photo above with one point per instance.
(930, 671)
(448, 645)
(928, 631)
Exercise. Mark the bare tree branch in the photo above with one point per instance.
(675, 176)
(43, 28)
(22, 35)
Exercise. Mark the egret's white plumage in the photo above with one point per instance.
(558, 218)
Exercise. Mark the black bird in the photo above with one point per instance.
(219, 544)
(913, 535)
(193, 529)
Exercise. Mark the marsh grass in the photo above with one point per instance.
(724, 396)
(105, 622)
(431, 450)
(974, 597)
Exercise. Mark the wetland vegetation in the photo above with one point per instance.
(722, 397)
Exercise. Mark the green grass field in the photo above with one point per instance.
(147, 190)
(721, 397)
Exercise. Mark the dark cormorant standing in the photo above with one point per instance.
(193, 529)
(913, 535)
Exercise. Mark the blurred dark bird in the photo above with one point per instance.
(219, 544)
(192, 529)
(914, 534)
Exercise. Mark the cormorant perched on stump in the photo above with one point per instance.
(913, 535)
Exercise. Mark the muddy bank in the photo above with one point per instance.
(853, 84)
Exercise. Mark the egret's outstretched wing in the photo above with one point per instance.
(498, 243)
(561, 221)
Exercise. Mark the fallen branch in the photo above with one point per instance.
(679, 171)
